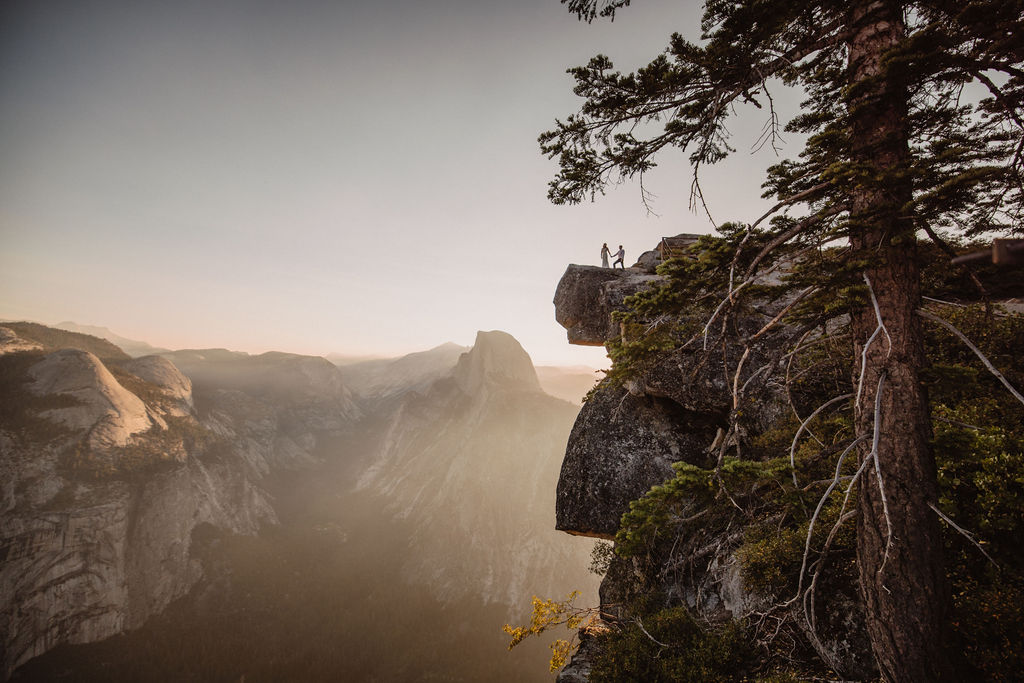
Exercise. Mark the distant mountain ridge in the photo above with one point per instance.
(383, 378)
(132, 347)
(27, 335)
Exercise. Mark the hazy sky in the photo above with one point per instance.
(316, 176)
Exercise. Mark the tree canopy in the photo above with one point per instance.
(914, 117)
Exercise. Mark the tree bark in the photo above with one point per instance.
(899, 547)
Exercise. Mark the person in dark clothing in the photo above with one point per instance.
(620, 255)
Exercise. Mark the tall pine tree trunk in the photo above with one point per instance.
(899, 548)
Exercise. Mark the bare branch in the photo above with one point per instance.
(876, 437)
(977, 352)
(821, 504)
(966, 534)
(652, 638)
(864, 352)
(803, 425)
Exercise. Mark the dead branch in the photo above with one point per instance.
(864, 352)
(964, 532)
(876, 437)
(977, 352)
(803, 425)
(652, 638)
(817, 510)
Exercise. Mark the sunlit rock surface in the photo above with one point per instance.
(471, 462)
(11, 342)
(102, 485)
(162, 373)
(110, 413)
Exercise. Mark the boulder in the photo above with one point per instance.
(587, 296)
(648, 261)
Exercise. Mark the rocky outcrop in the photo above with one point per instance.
(110, 413)
(587, 296)
(629, 433)
(620, 446)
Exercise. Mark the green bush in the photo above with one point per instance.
(671, 646)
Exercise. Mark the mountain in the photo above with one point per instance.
(109, 464)
(471, 462)
(156, 505)
(380, 379)
(132, 347)
(26, 336)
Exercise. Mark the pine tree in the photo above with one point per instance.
(898, 150)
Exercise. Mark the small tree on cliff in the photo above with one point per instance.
(894, 150)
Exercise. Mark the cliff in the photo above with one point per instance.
(109, 463)
(635, 432)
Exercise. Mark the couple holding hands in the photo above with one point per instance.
(619, 256)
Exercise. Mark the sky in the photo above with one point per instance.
(319, 176)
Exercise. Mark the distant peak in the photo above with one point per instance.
(496, 360)
(447, 346)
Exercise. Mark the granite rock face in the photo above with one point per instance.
(163, 374)
(107, 468)
(111, 413)
(627, 437)
(471, 462)
(496, 360)
(621, 446)
(587, 296)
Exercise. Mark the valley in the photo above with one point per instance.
(384, 532)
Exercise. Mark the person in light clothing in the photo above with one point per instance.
(620, 255)
(605, 252)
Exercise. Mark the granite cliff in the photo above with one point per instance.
(470, 461)
(109, 464)
(676, 411)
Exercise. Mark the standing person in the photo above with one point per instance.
(619, 256)
(605, 252)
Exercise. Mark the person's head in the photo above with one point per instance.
(620, 246)
(605, 245)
